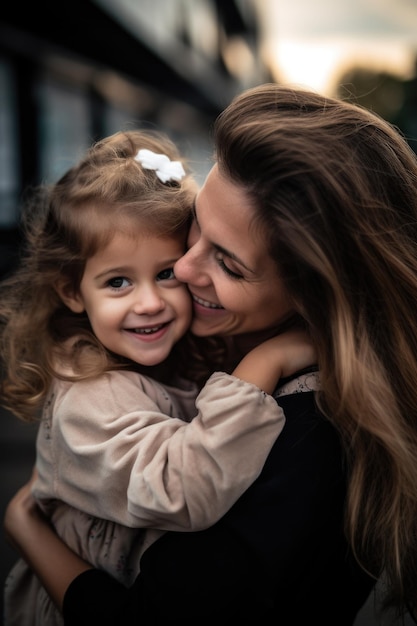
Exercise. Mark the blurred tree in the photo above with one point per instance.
(386, 94)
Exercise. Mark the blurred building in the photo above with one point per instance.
(73, 72)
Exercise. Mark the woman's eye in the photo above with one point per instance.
(167, 274)
(118, 282)
(227, 270)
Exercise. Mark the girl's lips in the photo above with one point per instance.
(150, 333)
(151, 330)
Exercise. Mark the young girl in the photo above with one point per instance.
(93, 310)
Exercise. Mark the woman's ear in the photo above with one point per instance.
(71, 298)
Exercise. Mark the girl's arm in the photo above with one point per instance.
(141, 468)
(276, 358)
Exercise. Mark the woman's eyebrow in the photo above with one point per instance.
(232, 256)
(219, 248)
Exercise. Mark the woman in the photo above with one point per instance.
(310, 214)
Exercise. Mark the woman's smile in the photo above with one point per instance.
(235, 284)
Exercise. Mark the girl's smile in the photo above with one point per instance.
(136, 306)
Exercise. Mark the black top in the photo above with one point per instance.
(279, 555)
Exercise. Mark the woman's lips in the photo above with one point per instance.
(204, 309)
(206, 303)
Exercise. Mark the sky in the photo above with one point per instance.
(310, 42)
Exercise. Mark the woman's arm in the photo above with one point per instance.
(279, 555)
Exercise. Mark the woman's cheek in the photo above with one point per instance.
(193, 235)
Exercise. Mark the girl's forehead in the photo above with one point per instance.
(132, 230)
(136, 235)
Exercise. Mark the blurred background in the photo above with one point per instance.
(74, 72)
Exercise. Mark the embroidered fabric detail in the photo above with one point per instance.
(305, 382)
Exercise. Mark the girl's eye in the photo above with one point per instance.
(227, 269)
(167, 274)
(118, 282)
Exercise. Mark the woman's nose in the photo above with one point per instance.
(184, 268)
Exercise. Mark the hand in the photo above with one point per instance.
(288, 352)
(21, 511)
(276, 358)
(30, 532)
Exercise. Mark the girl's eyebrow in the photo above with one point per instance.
(112, 270)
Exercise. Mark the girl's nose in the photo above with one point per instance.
(148, 300)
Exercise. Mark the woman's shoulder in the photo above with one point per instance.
(308, 434)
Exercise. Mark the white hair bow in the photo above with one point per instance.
(164, 168)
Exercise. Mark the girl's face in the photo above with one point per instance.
(234, 283)
(136, 306)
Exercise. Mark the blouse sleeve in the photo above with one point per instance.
(113, 454)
